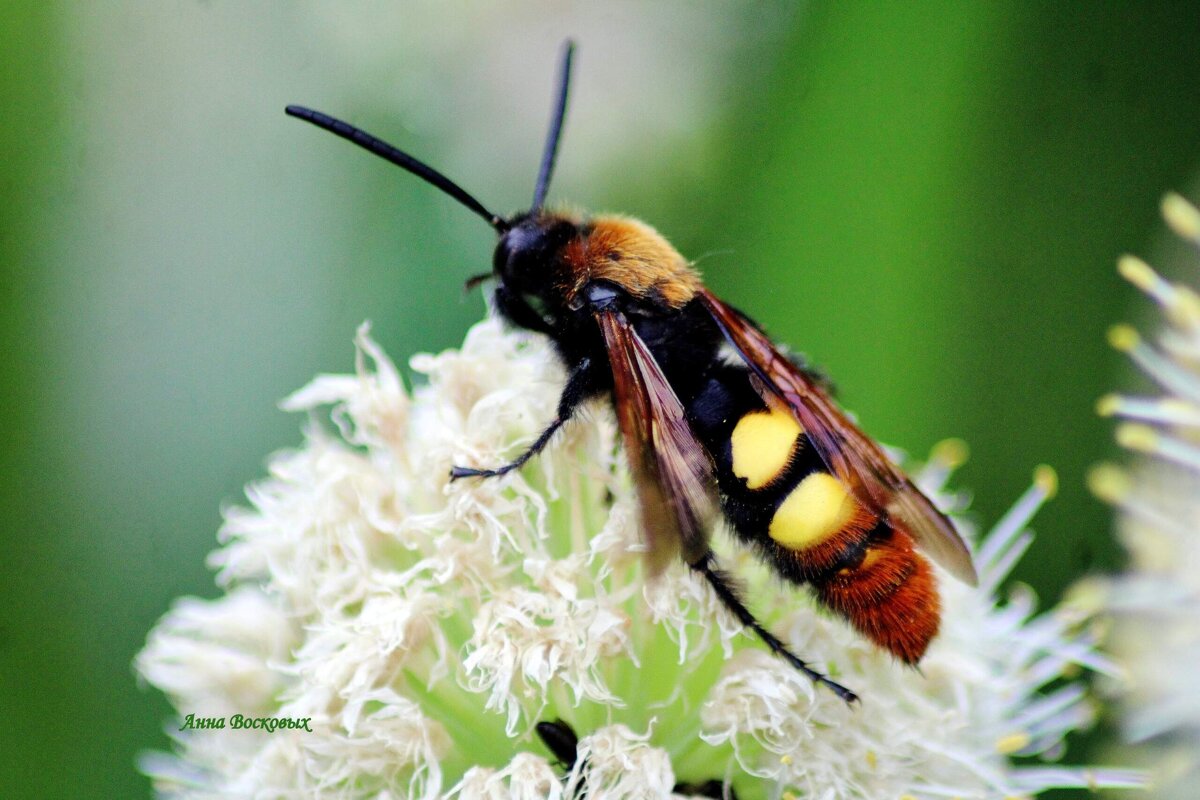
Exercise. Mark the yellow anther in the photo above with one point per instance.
(1142, 438)
(1137, 272)
(1007, 745)
(1181, 216)
(1109, 482)
(1046, 480)
(785, 760)
(1123, 337)
(1185, 306)
(1107, 406)
(951, 452)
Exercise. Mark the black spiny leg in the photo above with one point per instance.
(721, 584)
(520, 313)
(579, 385)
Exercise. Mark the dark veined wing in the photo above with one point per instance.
(848, 453)
(672, 471)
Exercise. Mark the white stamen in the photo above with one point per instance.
(424, 627)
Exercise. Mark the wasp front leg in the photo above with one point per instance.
(580, 385)
(513, 308)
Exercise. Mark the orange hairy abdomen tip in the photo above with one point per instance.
(890, 597)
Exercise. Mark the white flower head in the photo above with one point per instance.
(1156, 603)
(423, 627)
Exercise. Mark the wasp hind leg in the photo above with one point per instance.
(579, 387)
(723, 586)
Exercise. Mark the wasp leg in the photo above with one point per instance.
(579, 386)
(511, 305)
(728, 595)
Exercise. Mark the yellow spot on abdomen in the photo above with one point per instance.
(815, 510)
(762, 442)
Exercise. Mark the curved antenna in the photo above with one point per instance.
(398, 157)
(556, 123)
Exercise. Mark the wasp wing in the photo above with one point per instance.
(672, 471)
(848, 453)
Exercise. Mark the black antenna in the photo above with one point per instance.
(398, 157)
(556, 123)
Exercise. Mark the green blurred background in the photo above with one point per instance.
(926, 198)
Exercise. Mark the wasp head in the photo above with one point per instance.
(529, 258)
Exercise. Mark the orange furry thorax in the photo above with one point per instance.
(632, 255)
